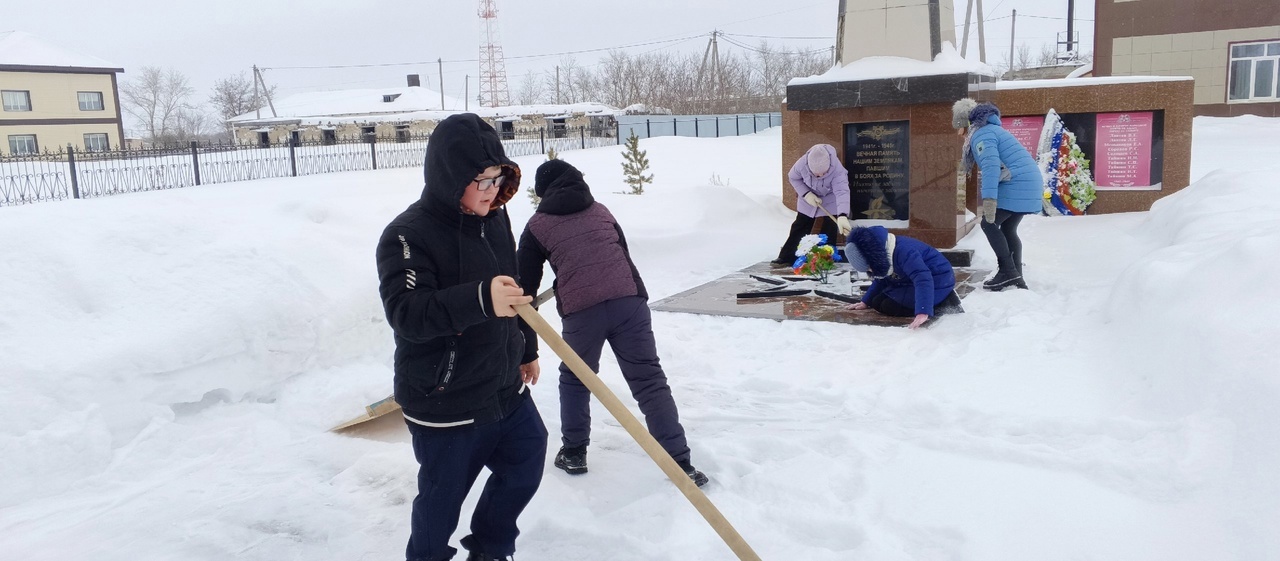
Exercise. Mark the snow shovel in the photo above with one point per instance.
(388, 404)
(639, 433)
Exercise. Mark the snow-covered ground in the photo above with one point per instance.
(170, 362)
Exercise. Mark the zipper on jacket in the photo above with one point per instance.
(450, 361)
(506, 326)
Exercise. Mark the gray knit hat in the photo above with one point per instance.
(960, 112)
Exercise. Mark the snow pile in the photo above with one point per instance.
(172, 360)
(20, 48)
(948, 61)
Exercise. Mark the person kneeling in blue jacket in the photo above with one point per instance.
(909, 276)
(1011, 185)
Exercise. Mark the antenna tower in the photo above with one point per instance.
(493, 69)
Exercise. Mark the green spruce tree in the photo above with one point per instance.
(634, 163)
(533, 195)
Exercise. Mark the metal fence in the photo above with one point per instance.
(77, 174)
(704, 126)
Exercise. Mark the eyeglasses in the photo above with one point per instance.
(488, 182)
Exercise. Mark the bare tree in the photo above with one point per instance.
(235, 95)
(1048, 57)
(155, 97)
(530, 91)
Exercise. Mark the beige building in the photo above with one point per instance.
(52, 98)
(400, 113)
(1232, 49)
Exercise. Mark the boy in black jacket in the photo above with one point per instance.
(446, 269)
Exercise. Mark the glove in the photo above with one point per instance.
(842, 222)
(812, 199)
(989, 210)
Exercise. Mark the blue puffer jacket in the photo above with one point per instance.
(1009, 173)
(921, 277)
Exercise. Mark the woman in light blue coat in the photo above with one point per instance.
(1011, 185)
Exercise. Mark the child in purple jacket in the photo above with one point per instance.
(601, 298)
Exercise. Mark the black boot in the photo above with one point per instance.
(698, 477)
(1003, 280)
(573, 460)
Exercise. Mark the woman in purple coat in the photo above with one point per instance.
(600, 298)
(817, 178)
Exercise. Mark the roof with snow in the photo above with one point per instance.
(19, 48)
(948, 61)
(395, 104)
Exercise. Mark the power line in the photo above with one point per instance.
(828, 38)
(387, 64)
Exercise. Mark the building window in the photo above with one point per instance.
(1253, 71)
(23, 144)
(388, 98)
(402, 133)
(368, 132)
(16, 100)
(96, 142)
(264, 139)
(328, 137)
(90, 101)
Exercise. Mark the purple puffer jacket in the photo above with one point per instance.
(833, 187)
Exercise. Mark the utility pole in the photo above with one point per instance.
(1071, 11)
(1012, 28)
(257, 77)
(557, 83)
(982, 37)
(257, 105)
(440, 67)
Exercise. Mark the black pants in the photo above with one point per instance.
(514, 449)
(801, 228)
(625, 324)
(890, 307)
(1003, 237)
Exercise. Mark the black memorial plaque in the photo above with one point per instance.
(877, 156)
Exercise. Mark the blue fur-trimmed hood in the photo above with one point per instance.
(983, 114)
(870, 242)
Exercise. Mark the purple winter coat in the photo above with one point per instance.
(833, 187)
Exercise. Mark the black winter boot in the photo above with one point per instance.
(573, 460)
(1003, 280)
(698, 477)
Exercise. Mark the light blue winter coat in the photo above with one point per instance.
(1009, 173)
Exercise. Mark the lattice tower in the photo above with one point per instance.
(493, 69)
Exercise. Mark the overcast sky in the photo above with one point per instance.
(210, 40)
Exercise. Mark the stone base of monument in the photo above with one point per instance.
(774, 292)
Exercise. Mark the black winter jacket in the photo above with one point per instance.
(455, 362)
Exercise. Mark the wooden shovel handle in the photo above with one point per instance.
(639, 433)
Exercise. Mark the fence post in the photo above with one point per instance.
(582, 136)
(695, 127)
(648, 132)
(75, 182)
(542, 137)
(195, 160)
(754, 126)
(293, 160)
(717, 126)
(373, 150)
(675, 129)
(617, 134)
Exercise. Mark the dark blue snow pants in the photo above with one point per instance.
(514, 449)
(625, 323)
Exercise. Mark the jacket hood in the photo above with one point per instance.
(984, 113)
(460, 148)
(870, 241)
(562, 188)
